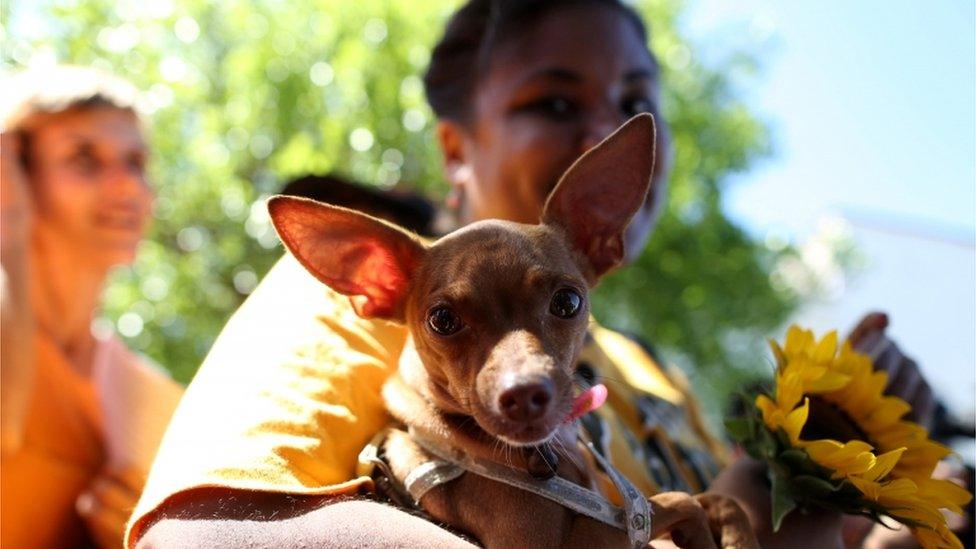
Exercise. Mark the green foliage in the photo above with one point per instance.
(704, 285)
(245, 94)
(782, 503)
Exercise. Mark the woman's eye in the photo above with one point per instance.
(137, 163)
(444, 321)
(84, 161)
(559, 105)
(566, 303)
(553, 107)
(637, 105)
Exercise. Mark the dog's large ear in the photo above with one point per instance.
(367, 259)
(600, 193)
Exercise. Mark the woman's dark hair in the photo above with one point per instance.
(473, 32)
(409, 210)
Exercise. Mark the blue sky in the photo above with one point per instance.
(872, 106)
(873, 110)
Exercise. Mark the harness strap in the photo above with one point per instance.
(637, 508)
(634, 518)
(372, 463)
(429, 475)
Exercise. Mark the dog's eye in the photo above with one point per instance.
(443, 321)
(565, 303)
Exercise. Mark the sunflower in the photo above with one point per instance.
(833, 438)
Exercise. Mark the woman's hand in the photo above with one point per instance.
(905, 380)
(106, 504)
(15, 202)
(745, 481)
(16, 315)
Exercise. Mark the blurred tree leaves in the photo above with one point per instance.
(245, 94)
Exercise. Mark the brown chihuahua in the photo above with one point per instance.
(497, 314)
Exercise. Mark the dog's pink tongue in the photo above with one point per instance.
(587, 401)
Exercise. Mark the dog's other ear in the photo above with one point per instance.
(367, 259)
(600, 193)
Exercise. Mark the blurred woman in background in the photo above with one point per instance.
(82, 415)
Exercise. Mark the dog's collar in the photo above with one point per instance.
(450, 463)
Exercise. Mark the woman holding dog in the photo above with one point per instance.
(263, 449)
(81, 415)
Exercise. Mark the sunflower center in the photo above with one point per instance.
(827, 420)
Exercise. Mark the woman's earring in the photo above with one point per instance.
(453, 200)
(455, 197)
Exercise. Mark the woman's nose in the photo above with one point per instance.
(599, 127)
(127, 181)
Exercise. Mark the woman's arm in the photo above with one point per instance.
(228, 518)
(16, 317)
(284, 402)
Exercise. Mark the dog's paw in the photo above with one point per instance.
(727, 521)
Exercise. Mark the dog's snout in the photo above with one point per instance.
(527, 401)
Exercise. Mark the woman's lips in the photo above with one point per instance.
(126, 220)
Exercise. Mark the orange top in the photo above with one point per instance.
(64, 449)
(60, 455)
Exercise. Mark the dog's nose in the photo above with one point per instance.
(526, 401)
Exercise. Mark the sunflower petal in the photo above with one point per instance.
(826, 348)
(829, 381)
(852, 458)
(888, 412)
(921, 458)
(919, 513)
(884, 464)
(778, 353)
(949, 538)
(795, 421)
(944, 494)
(789, 391)
(903, 433)
(936, 539)
(928, 539)
(898, 491)
(769, 411)
(871, 490)
(797, 339)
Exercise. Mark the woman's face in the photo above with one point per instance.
(550, 93)
(87, 174)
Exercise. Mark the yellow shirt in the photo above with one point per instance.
(290, 394)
